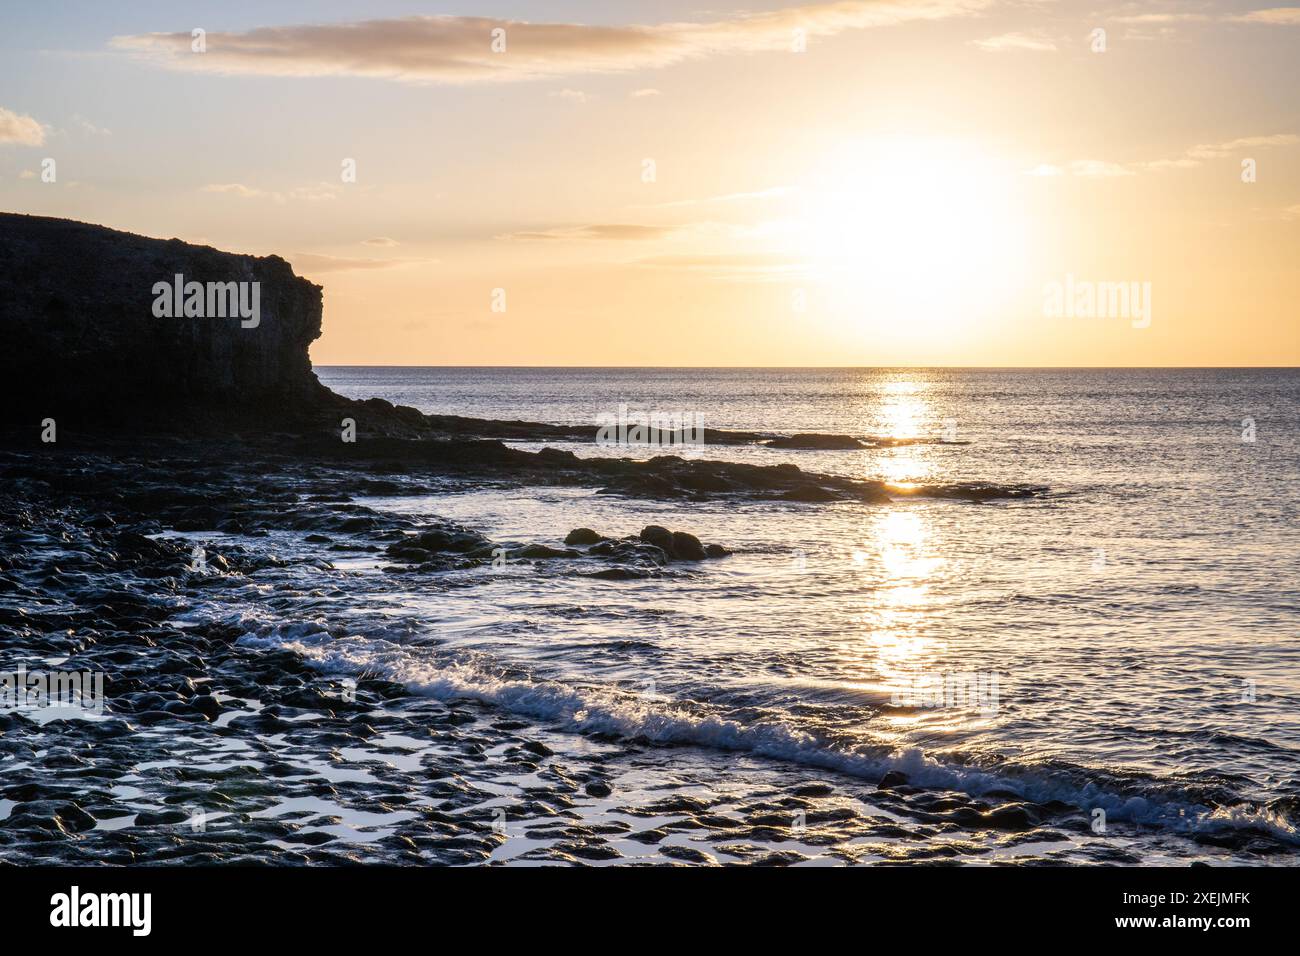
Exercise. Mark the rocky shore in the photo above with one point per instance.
(125, 435)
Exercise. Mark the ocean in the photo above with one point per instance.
(1065, 631)
(1123, 649)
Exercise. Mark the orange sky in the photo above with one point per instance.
(898, 183)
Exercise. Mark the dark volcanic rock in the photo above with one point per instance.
(446, 537)
(816, 442)
(544, 551)
(687, 547)
(583, 536)
(659, 537)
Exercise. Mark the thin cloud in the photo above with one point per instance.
(648, 91)
(1097, 169)
(1191, 159)
(576, 96)
(1162, 18)
(320, 192)
(1009, 42)
(745, 266)
(451, 49)
(618, 231)
(19, 129)
(775, 192)
(86, 126)
(380, 241)
(307, 262)
(234, 189)
(1277, 16)
(1219, 150)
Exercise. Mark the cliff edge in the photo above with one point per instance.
(97, 327)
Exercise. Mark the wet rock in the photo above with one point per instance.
(1011, 816)
(687, 854)
(687, 547)
(814, 441)
(894, 778)
(583, 536)
(660, 537)
(207, 705)
(679, 545)
(76, 819)
(811, 494)
(815, 790)
(544, 551)
(446, 537)
(148, 818)
(620, 574)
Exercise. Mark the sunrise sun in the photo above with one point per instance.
(929, 231)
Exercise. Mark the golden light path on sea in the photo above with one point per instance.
(901, 560)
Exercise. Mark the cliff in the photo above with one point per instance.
(90, 335)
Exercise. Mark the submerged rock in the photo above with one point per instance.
(816, 441)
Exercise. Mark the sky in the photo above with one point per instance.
(898, 183)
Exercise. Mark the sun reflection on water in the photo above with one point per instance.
(903, 414)
(900, 556)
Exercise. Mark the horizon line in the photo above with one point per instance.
(986, 368)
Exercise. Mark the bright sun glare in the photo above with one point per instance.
(924, 232)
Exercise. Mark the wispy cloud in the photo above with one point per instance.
(307, 262)
(1192, 158)
(380, 241)
(20, 129)
(1010, 42)
(1158, 19)
(743, 266)
(1087, 168)
(1278, 16)
(619, 231)
(774, 192)
(89, 128)
(318, 193)
(648, 91)
(451, 49)
(1219, 150)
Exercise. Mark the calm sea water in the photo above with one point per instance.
(1139, 625)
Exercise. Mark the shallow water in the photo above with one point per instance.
(1139, 622)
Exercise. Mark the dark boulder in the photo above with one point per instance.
(687, 547)
(816, 442)
(659, 537)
